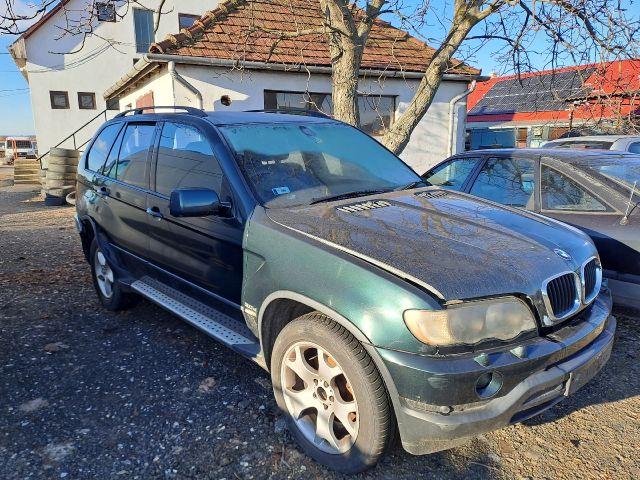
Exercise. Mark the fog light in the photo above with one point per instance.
(488, 384)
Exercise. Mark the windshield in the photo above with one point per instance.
(299, 164)
(624, 171)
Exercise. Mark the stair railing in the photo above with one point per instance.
(73, 135)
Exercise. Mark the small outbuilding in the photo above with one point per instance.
(234, 58)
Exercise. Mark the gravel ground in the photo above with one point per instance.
(86, 393)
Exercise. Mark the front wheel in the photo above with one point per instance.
(333, 397)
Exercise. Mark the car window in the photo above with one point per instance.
(634, 147)
(185, 159)
(451, 174)
(109, 167)
(559, 192)
(101, 147)
(510, 181)
(134, 152)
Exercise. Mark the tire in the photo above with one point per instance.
(61, 176)
(71, 198)
(62, 168)
(50, 201)
(64, 152)
(62, 161)
(112, 298)
(59, 192)
(347, 376)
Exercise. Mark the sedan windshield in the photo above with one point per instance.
(625, 171)
(300, 164)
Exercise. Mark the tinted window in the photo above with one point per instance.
(451, 174)
(185, 159)
(509, 181)
(100, 148)
(132, 161)
(634, 147)
(110, 166)
(561, 193)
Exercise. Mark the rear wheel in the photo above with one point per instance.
(333, 397)
(105, 282)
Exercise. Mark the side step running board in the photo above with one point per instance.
(214, 323)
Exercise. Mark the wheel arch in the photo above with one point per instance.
(283, 306)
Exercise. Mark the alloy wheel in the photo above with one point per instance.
(104, 274)
(319, 398)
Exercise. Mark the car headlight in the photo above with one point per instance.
(471, 322)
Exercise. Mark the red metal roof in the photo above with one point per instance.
(247, 30)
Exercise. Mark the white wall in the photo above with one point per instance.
(162, 86)
(429, 141)
(90, 69)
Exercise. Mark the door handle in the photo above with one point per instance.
(155, 213)
(102, 190)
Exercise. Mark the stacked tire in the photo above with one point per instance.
(60, 179)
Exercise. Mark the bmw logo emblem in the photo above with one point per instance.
(562, 254)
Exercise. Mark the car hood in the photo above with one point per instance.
(453, 244)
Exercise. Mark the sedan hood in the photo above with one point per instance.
(453, 244)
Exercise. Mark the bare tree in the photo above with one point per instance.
(576, 31)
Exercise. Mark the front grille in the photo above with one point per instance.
(563, 295)
(590, 277)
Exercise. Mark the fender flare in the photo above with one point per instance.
(335, 316)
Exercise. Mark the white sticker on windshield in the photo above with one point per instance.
(280, 190)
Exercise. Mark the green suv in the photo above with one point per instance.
(380, 305)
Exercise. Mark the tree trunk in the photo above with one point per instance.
(344, 89)
(397, 137)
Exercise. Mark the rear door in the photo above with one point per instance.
(123, 183)
(568, 198)
(205, 251)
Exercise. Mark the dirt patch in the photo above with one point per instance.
(140, 394)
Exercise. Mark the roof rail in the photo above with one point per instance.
(190, 110)
(292, 111)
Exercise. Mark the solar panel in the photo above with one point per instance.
(547, 92)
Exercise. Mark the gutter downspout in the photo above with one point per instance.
(182, 81)
(452, 114)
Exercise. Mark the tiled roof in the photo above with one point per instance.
(240, 30)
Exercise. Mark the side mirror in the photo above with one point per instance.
(194, 202)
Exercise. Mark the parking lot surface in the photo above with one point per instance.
(87, 393)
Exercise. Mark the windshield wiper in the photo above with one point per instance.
(341, 196)
(415, 184)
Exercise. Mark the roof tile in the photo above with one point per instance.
(240, 30)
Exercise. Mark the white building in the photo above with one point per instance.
(68, 73)
(224, 56)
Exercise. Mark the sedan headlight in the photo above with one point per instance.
(471, 322)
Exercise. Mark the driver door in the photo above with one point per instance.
(205, 251)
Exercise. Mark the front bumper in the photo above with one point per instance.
(438, 406)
